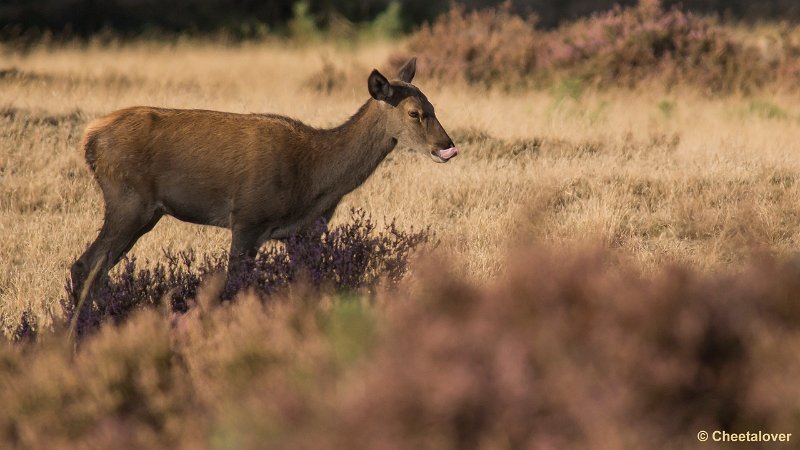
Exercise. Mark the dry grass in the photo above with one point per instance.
(660, 176)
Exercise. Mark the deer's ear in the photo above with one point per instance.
(379, 87)
(408, 70)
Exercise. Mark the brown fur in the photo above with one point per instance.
(263, 176)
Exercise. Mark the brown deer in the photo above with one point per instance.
(263, 176)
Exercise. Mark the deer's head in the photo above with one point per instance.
(410, 117)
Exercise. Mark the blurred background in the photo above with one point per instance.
(254, 18)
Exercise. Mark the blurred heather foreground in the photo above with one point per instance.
(563, 351)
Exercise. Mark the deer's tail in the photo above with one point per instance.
(90, 138)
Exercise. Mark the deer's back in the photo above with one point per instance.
(185, 156)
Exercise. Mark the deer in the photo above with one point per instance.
(263, 176)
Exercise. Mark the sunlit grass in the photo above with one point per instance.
(690, 179)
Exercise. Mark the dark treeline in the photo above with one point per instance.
(82, 18)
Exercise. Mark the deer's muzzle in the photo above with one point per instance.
(444, 155)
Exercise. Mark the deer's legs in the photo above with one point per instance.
(87, 261)
(326, 216)
(123, 224)
(244, 247)
(244, 242)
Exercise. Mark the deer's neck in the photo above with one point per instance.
(350, 152)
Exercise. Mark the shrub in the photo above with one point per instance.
(766, 109)
(667, 107)
(624, 46)
(387, 24)
(566, 350)
(491, 46)
(348, 257)
(302, 25)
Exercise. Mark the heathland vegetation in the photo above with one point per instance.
(611, 260)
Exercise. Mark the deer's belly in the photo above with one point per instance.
(304, 217)
(199, 209)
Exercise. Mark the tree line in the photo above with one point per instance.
(244, 18)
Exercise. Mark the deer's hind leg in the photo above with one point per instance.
(128, 216)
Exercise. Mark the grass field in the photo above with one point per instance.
(660, 176)
(650, 176)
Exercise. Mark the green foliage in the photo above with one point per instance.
(350, 330)
(302, 25)
(34, 20)
(666, 107)
(387, 24)
(250, 29)
(569, 88)
(766, 109)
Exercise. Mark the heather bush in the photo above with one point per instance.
(354, 256)
(491, 46)
(626, 46)
(566, 350)
(567, 353)
(623, 47)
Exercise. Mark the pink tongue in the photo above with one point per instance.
(448, 153)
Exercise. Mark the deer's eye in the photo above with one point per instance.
(414, 114)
